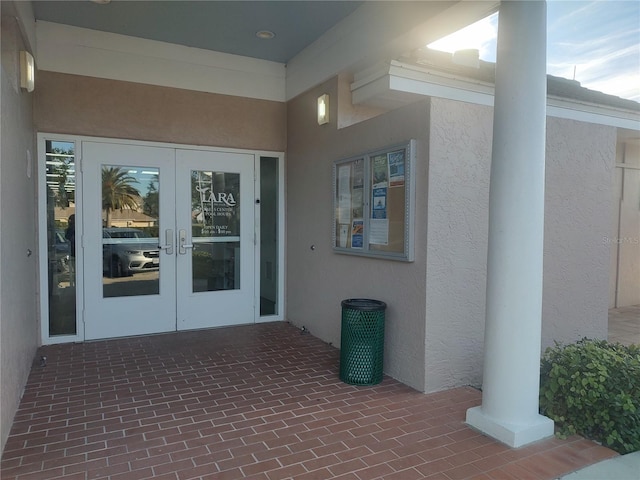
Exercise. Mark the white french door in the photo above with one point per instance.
(216, 240)
(168, 239)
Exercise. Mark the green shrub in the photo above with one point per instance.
(592, 388)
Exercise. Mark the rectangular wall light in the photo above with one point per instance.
(27, 71)
(323, 109)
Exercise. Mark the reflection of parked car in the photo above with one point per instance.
(128, 250)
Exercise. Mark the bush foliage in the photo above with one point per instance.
(592, 388)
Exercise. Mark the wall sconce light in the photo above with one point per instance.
(323, 109)
(27, 71)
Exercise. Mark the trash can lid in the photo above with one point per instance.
(364, 304)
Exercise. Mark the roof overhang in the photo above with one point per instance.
(397, 83)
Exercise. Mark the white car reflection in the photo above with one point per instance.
(126, 251)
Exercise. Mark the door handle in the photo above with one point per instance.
(182, 243)
(168, 242)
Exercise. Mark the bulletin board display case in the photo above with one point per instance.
(374, 202)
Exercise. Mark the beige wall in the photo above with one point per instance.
(109, 108)
(317, 280)
(579, 167)
(435, 319)
(459, 162)
(579, 196)
(18, 292)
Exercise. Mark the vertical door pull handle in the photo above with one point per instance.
(168, 242)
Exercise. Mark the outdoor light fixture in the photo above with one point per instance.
(323, 109)
(27, 71)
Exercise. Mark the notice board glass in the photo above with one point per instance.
(373, 203)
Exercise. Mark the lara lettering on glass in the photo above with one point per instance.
(215, 204)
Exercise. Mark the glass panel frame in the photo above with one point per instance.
(60, 196)
(270, 220)
(374, 203)
(46, 218)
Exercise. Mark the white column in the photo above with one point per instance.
(509, 410)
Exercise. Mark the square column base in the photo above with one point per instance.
(512, 434)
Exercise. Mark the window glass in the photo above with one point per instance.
(61, 238)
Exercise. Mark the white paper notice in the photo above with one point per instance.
(379, 231)
(344, 194)
(344, 235)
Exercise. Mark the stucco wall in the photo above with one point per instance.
(451, 238)
(18, 315)
(579, 194)
(317, 280)
(81, 105)
(459, 163)
(579, 168)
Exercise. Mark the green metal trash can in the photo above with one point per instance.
(362, 341)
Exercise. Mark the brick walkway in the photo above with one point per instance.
(254, 402)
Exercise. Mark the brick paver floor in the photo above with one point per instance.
(251, 402)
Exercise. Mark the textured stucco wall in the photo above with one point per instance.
(18, 314)
(317, 280)
(579, 190)
(580, 159)
(80, 105)
(459, 163)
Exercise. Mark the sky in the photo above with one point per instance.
(597, 41)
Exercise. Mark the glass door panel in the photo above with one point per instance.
(215, 230)
(269, 228)
(61, 238)
(130, 218)
(215, 265)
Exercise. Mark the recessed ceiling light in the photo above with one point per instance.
(265, 34)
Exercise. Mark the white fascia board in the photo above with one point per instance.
(436, 84)
(379, 31)
(81, 51)
(405, 79)
(377, 88)
(27, 23)
(592, 113)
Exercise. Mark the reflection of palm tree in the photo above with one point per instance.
(117, 191)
